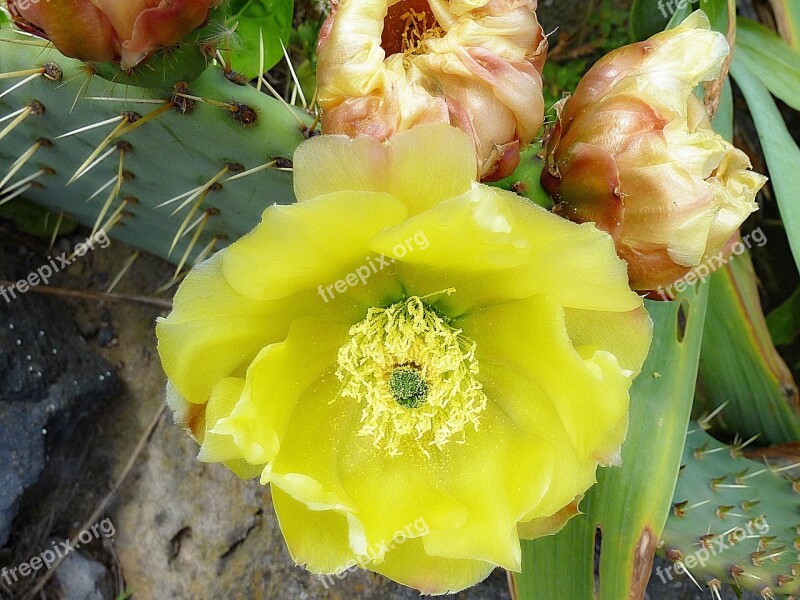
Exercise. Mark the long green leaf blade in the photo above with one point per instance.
(771, 60)
(739, 366)
(780, 150)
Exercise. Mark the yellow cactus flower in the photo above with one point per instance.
(634, 152)
(105, 30)
(386, 66)
(425, 369)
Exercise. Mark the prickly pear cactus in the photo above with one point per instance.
(734, 521)
(176, 170)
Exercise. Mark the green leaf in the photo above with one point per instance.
(787, 13)
(771, 60)
(780, 150)
(681, 11)
(717, 11)
(629, 504)
(36, 220)
(739, 365)
(648, 18)
(251, 19)
(784, 321)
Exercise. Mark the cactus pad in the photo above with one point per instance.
(178, 173)
(734, 520)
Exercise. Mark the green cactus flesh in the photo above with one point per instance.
(229, 142)
(734, 520)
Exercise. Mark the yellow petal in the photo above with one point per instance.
(326, 464)
(401, 167)
(316, 539)
(217, 447)
(529, 406)
(493, 246)
(278, 376)
(536, 528)
(214, 332)
(436, 238)
(410, 565)
(589, 391)
(492, 468)
(626, 335)
(310, 245)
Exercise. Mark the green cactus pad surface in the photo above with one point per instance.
(230, 143)
(734, 520)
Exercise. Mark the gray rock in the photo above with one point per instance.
(82, 578)
(49, 381)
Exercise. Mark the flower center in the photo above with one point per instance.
(407, 26)
(408, 387)
(414, 375)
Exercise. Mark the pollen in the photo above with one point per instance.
(419, 27)
(414, 376)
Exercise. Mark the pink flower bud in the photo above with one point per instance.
(104, 30)
(475, 64)
(634, 151)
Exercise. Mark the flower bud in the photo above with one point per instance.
(475, 64)
(633, 150)
(109, 30)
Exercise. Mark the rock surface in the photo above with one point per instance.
(49, 381)
(82, 578)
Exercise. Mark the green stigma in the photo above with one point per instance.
(408, 387)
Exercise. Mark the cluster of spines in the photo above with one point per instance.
(115, 210)
(734, 521)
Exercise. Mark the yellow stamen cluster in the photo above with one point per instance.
(409, 335)
(418, 31)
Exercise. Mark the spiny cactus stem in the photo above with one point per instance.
(681, 508)
(224, 105)
(16, 194)
(86, 128)
(777, 470)
(135, 121)
(23, 73)
(278, 97)
(116, 216)
(194, 193)
(184, 225)
(705, 422)
(737, 448)
(252, 171)
(34, 108)
(91, 162)
(715, 585)
(31, 42)
(193, 242)
(125, 267)
(298, 88)
(19, 84)
(22, 185)
(22, 161)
